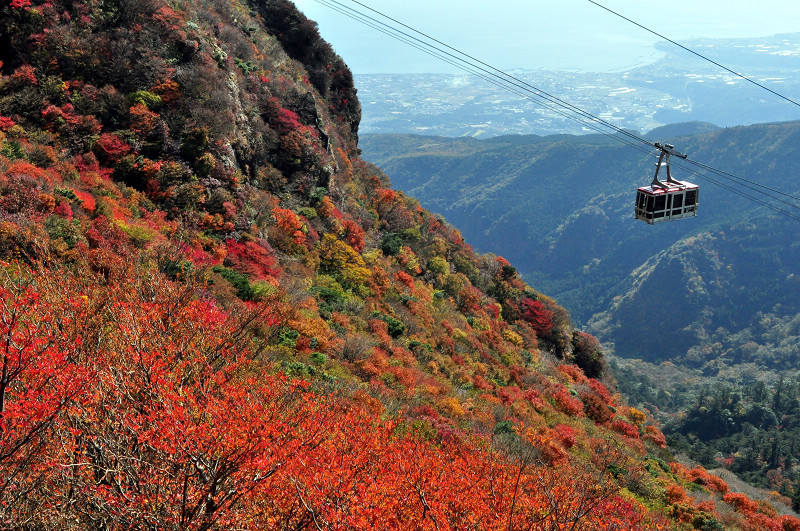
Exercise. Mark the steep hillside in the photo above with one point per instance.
(215, 315)
(560, 208)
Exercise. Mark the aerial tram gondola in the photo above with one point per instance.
(666, 200)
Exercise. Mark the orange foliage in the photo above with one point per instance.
(676, 494)
(142, 119)
(168, 90)
(405, 279)
(790, 523)
(655, 435)
(573, 372)
(741, 502)
(567, 403)
(711, 482)
(290, 224)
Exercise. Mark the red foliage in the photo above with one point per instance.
(596, 408)
(537, 315)
(251, 259)
(64, 117)
(6, 123)
(566, 435)
(532, 396)
(103, 234)
(567, 403)
(354, 235)
(509, 395)
(25, 73)
(601, 390)
(625, 428)
(87, 200)
(41, 375)
(288, 119)
(64, 210)
(110, 149)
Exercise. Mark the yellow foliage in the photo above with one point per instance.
(452, 407)
(482, 325)
(636, 416)
(512, 337)
(438, 264)
(339, 258)
(371, 257)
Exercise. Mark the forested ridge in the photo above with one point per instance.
(215, 315)
(560, 208)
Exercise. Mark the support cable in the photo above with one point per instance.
(498, 72)
(481, 73)
(521, 88)
(701, 56)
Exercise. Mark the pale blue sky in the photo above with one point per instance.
(552, 34)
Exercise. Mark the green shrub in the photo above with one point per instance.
(396, 326)
(391, 244)
(288, 337)
(244, 289)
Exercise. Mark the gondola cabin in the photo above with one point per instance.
(665, 203)
(666, 200)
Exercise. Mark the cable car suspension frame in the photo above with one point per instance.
(669, 199)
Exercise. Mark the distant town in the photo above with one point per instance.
(680, 87)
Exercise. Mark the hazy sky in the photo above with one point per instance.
(552, 34)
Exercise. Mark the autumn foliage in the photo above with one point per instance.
(215, 315)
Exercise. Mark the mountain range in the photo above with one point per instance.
(708, 292)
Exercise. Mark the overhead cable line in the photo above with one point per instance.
(756, 83)
(742, 179)
(516, 86)
(497, 77)
(506, 76)
(738, 192)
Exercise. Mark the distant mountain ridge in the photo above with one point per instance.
(560, 208)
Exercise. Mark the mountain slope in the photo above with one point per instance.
(560, 208)
(215, 315)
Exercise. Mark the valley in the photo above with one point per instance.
(561, 209)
